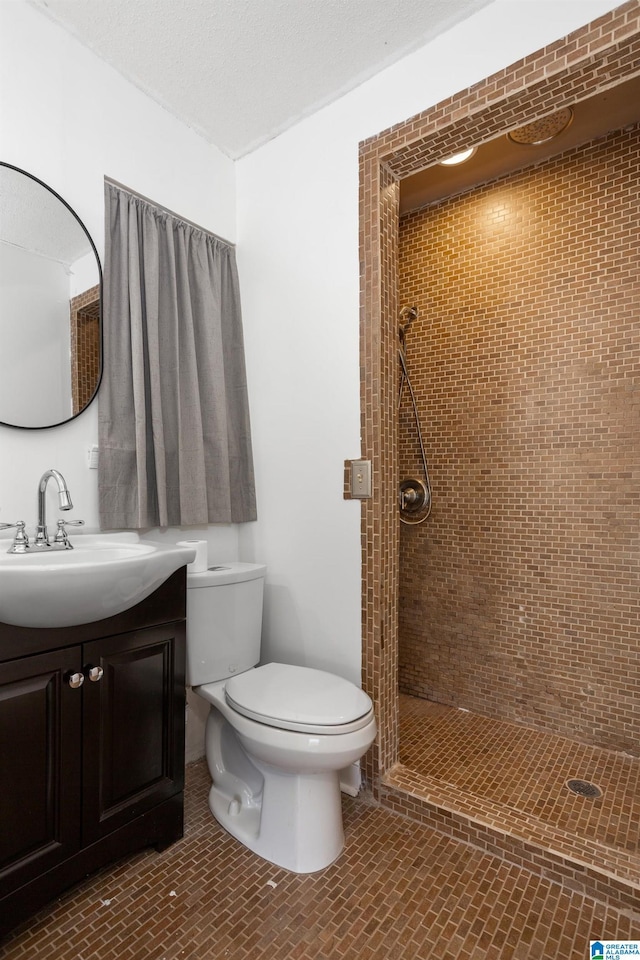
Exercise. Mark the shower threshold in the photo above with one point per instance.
(503, 787)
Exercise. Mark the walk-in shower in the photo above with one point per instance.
(414, 495)
(511, 615)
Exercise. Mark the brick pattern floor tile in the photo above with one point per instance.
(399, 890)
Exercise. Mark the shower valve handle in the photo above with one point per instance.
(407, 497)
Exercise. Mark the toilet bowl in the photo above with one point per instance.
(277, 735)
(277, 789)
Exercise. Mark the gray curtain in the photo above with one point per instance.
(174, 434)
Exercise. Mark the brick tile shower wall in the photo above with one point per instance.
(85, 347)
(520, 596)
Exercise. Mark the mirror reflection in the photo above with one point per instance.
(50, 296)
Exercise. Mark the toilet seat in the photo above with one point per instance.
(300, 699)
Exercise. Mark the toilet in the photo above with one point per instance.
(277, 735)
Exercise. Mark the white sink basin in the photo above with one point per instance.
(103, 575)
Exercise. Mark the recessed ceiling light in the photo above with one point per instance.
(458, 157)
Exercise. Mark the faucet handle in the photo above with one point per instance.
(21, 540)
(61, 538)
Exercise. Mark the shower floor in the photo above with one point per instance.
(514, 780)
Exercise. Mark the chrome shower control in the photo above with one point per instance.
(414, 500)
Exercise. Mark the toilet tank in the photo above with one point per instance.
(224, 621)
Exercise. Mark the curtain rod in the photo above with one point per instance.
(172, 213)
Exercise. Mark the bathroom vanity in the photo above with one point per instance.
(91, 745)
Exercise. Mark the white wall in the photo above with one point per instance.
(34, 323)
(70, 119)
(298, 257)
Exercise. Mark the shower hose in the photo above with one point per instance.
(414, 496)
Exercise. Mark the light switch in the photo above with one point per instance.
(361, 479)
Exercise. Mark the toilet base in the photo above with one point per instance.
(294, 822)
(290, 818)
(278, 791)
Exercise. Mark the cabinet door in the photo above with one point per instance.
(40, 758)
(133, 745)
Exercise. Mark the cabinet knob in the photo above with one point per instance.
(75, 680)
(94, 673)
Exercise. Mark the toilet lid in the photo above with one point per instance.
(298, 698)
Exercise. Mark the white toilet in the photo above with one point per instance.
(277, 735)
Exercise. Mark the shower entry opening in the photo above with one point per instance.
(517, 671)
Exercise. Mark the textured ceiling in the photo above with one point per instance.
(34, 220)
(241, 71)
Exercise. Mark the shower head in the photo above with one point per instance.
(541, 131)
(407, 316)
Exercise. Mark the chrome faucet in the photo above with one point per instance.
(42, 539)
(21, 540)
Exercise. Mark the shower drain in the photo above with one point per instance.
(583, 788)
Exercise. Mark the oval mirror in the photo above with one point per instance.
(50, 306)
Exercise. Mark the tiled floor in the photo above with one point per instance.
(514, 781)
(526, 770)
(399, 890)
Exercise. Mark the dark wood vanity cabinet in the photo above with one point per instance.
(89, 770)
(40, 764)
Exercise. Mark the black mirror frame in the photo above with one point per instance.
(59, 423)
